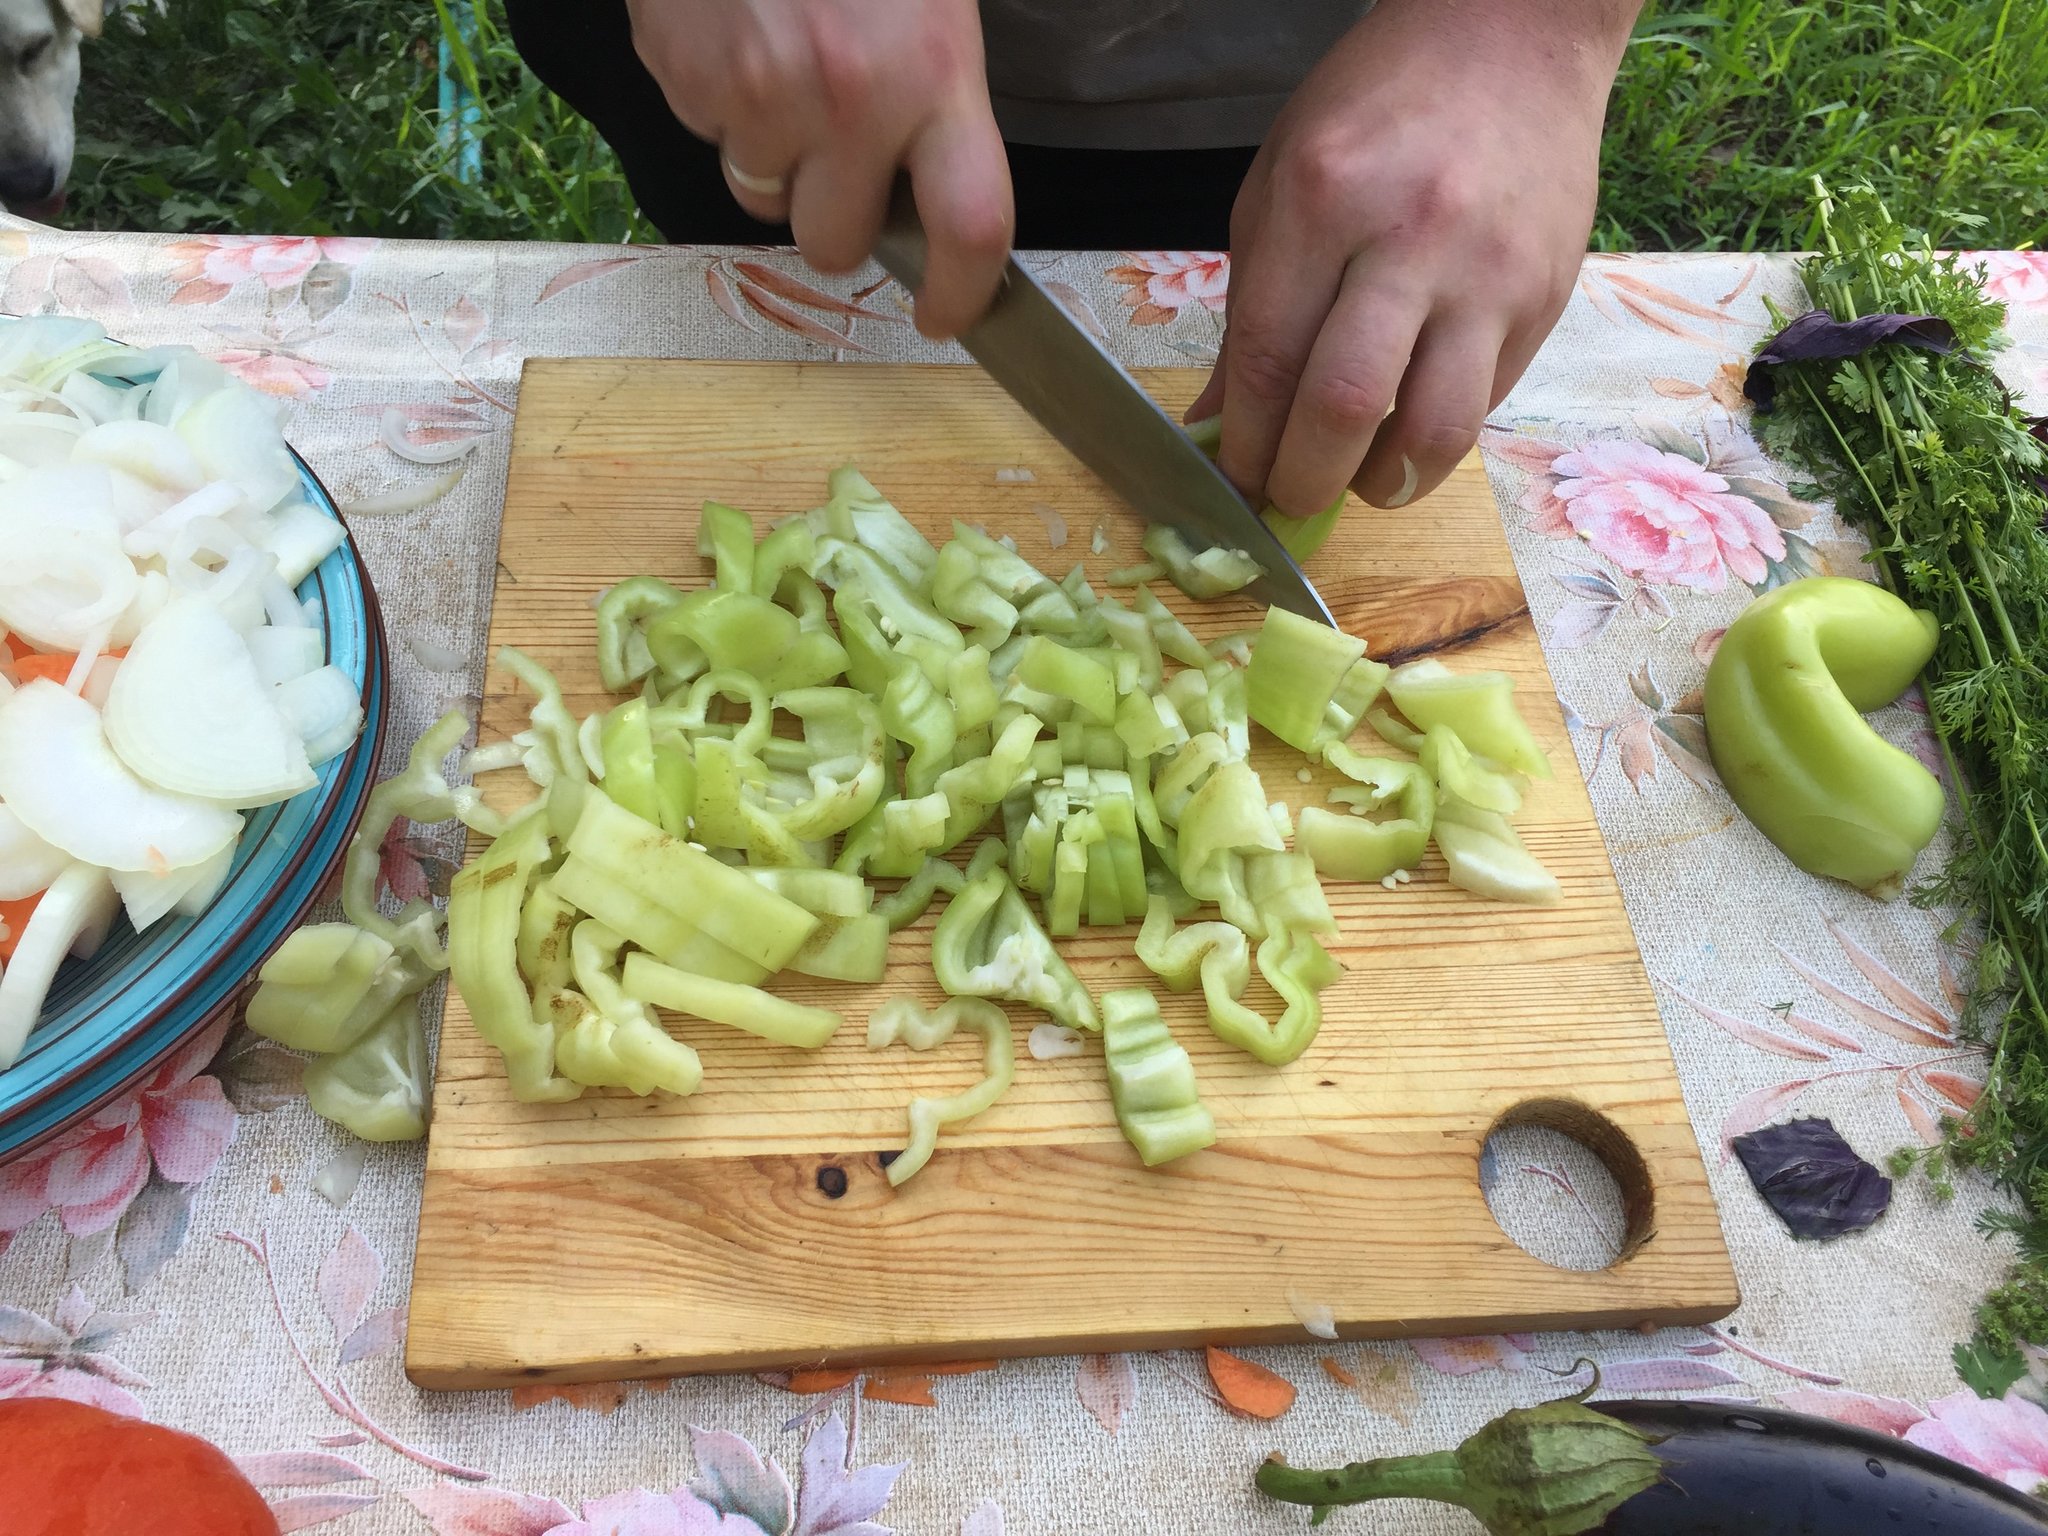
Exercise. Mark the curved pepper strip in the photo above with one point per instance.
(725, 536)
(1307, 683)
(1213, 955)
(615, 1043)
(556, 757)
(1151, 1080)
(1479, 706)
(900, 608)
(1785, 698)
(857, 513)
(903, 1019)
(377, 1088)
(843, 738)
(1446, 759)
(1484, 855)
(788, 549)
(546, 923)
(972, 689)
(1358, 846)
(626, 748)
(738, 631)
(421, 794)
(484, 905)
(907, 903)
(1299, 969)
(327, 985)
(692, 717)
(1225, 820)
(623, 655)
(1203, 574)
(987, 944)
(918, 715)
(974, 790)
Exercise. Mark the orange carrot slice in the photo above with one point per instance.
(1249, 1389)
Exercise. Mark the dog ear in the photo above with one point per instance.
(89, 16)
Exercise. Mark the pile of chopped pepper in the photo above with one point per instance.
(847, 704)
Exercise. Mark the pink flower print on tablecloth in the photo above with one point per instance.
(2014, 277)
(208, 267)
(179, 1122)
(276, 373)
(1663, 517)
(2002, 1437)
(1158, 285)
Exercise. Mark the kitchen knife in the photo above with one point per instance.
(1083, 397)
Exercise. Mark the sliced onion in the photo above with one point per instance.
(326, 710)
(281, 605)
(408, 498)
(236, 588)
(301, 536)
(39, 438)
(189, 713)
(156, 536)
(282, 654)
(234, 435)
(27, 863)
(150, 898)
(58, 774)
(73, 915)
(432, 655)
(99, 682)
(93, 399)
(62, 588)
(62, 496)
(27, 344)
(152, 591)
(185, 379)
(153, 454)
(206, 883)
(393, 432)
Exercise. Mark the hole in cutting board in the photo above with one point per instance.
(1566, 1185)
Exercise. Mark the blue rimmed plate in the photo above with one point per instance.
(111, 1019)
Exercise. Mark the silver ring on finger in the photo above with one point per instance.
(760, 186)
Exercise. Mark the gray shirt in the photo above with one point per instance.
(1152, 74)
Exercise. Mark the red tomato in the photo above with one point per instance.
(71, 1470)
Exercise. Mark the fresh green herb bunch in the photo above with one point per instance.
(1928, 456)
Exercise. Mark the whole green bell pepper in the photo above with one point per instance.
(1785, 697)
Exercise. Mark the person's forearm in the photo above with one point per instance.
(1584, 38)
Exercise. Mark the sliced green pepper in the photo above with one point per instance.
(545, 925)
(987, 944)
(724, 1002)
(846, 949)
(623, 655)
(1203, 574)
(1302, 537)
(1151, 1081)
(725, 536)
(1361, 846)
(626, 748)
(1309, 684)
(613, 1042)
(1224, 820)
(724, 903)
(858, 514)
(484, 904)
(1479, 706)
(1450, 762)
(918, 715)
(1485, 856)
(326, 986)
(907, 903)
(377, 1088)
(902, 1019)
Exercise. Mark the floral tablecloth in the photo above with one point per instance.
(209, 1254)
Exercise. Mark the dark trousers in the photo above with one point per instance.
(1067, 199)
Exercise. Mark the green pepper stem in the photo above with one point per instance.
(1432, 1475)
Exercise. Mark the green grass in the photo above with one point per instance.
(319, 116)
(1726, 109)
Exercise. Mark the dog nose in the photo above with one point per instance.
(24, 184)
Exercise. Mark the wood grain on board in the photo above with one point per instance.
(615, 1236)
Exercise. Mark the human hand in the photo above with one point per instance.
(1406, 237)
(817, 103)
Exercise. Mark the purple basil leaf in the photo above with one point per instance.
(1813, 1179)
(1817, 335)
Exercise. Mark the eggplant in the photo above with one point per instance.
(1735, 1471)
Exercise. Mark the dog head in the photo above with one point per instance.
(38, 81)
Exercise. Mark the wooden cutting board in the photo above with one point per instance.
(750, 1226)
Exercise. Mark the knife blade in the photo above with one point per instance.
(1073, 388)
